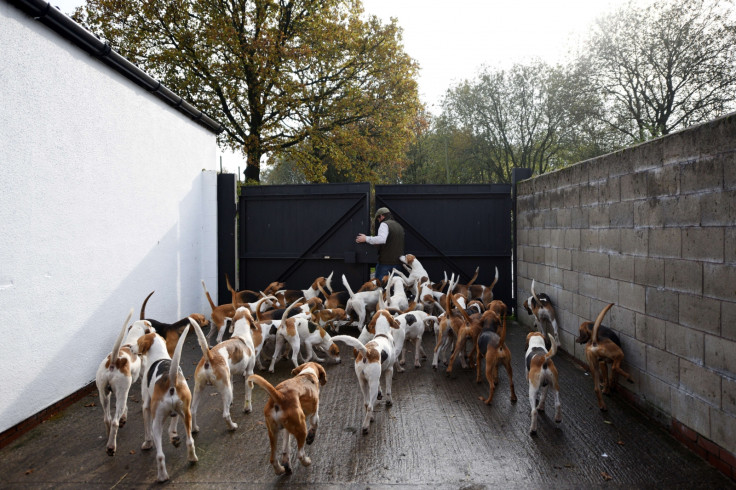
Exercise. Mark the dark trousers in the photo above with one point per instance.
(385, 270)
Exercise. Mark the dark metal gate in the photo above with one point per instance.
(456, 228)
(296, 233)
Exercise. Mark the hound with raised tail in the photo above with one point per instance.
(291, 404)
(449, 327)
(115, 375)
(414, 324)
(541, 307)
(415, 268)
(223, 314)
(165, 395)
(492, 346)
(602, 346)
(237, 355)
(290, 295)
(374, 359)
(362, 303)
(542, 374)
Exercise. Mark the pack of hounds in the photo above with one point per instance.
(391, 313)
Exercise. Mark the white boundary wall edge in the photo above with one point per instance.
(106, 194)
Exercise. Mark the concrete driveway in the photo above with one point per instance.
(437, 434)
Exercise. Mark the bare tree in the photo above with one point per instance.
(516, 118)
(664, 67)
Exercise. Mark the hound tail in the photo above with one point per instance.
(328, 283)
(536, 298)
(552, 351)
(212, 303)
(275, 395)
(495, 280)
(174, 369)
(598, 322)
(321, 290)
(449, 299)
(351, 341)
(475, 276)
(201, 339)
(347, 286)
(259, 303)
(232, 291)
(502, 335)
(288, 308)
(119, 340)
(143, 307)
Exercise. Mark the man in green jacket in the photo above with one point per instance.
(390, 241)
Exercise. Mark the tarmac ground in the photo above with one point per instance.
(437, 434)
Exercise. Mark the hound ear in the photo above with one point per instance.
(393, 323)
(584, 333)
(297, 369)
(528, 336)
(322, 375)
(372, 325)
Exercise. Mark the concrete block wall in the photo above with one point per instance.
(652, 229)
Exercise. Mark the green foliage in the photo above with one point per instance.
(307, 78)
(325, 94)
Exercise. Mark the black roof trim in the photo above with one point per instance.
(50, 16)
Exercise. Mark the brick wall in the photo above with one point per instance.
(652, 229)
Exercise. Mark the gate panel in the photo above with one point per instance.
(456, 228)
(296, 233)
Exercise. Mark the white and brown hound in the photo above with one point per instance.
(541, 308)
(362, 303)
(374, 359)
(542, 375)
(115, 375)
(291, 404)
(237, 355)
(165, 395)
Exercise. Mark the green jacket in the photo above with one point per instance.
(389, 252)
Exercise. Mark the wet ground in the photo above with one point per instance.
(437, 434)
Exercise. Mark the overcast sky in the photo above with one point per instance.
(452, 40)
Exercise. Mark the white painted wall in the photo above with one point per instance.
(106, 194)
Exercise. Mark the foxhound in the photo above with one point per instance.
(165, 395)
(237, 355)
(542, 374)
(375, 359)
(602, 346)
(291, 404)
(115, 375)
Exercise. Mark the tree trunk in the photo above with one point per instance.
(253, 166)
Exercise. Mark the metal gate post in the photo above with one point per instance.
(226, 237)
(517, 175)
